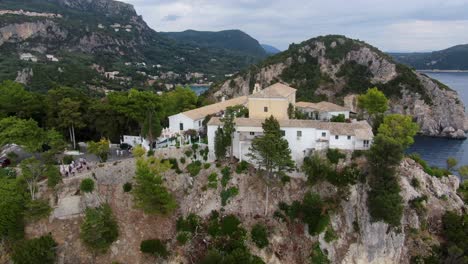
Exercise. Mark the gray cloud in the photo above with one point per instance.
(397, 25)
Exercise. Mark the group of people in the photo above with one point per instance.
(74, 167)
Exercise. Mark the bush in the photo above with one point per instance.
(182, 160)
(183, 237)
(38, 250)
(53, 176)
(334, 155)
(37, 209)
(213, 180)
(188, 153)
(226, 173)
(68, 160)
(339, 118)
(330, 235)
(227, 194)
(415, 183)
(317, 256)
(242, 167)
(194, 168)
(150, 153)
(99, 228)
(127, 187)
(206, 166)
(285, 179)
(87, 185)
(259, 235)
(358, 153)
(189, 224)
(154, 247)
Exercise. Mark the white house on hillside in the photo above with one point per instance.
(323, 110)
(193, 119)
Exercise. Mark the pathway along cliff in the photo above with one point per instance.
(336, 68)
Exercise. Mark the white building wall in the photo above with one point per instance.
(342, 142)
(300, 146)
(329, 115)
(176, 120)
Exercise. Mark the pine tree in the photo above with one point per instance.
(220, 145)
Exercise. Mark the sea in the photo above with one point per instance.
(199, 89)
(436, 150)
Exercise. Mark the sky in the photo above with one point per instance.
(390, 25)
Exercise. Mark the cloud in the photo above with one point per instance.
(397, 25)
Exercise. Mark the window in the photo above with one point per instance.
(252, 133)
(349, 137)
(181, 126)
(366, 143)
(299, 133)
(283, 133)
(199, 123)
(324, 134)
(337, 137)
(265, 109)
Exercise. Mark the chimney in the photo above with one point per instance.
(257, 88)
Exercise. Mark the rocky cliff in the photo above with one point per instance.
(335, 68)
(357, 240)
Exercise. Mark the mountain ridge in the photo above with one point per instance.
(453, 58)
(337, 68)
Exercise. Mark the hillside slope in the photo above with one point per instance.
(270, 49)
(233, 40)
(454, 58)
(336, 68)
(91, 37)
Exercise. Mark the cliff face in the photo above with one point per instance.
(334, 68)
(376, 242)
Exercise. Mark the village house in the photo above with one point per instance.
(323, 110)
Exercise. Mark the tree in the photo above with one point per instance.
(12, 206)
(316, 168)
(229, 127)
(16, 101)
(149, 192)
(154, 247)
(22, 132)
(220, 146)
(400, 128)
(179, 100)
(38, 250)
(463, 171)
(99, 228)
(451, 163)
(32, 170)
(100, 149)
(53, 175)
(70, 117)
(373, 101)
(338, 118)
(259, 234)
(271, 151)
(87, 185)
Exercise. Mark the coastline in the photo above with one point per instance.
(450, 71)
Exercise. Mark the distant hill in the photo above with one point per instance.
(92, 37)
(233, 40)
(454, 58)
(336, 68)
(270, 49)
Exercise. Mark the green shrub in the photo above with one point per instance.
(330, 235)
(206, 166)
(227, 194)
(53, 176)
(259, 235)
(334, 155)
(99, 228)
(154, 247)
(463, 191)
(418, 204)
(415, 183)
(87, 185)
(127, 187)
(317, 256)
(213, 180)
(183, 237)
(38, 250)
(338, 119)
(67, 160)
(182, 160)
(194, 168)
(285, 179)
(358, 153)
(226, 176)
(242, 167)
(188, 153)
(433, 171)
(189, 224)
(150, 153)
(37, 209)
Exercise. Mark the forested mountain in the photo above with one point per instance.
(231, 40)
(270, 49)
(337, 68)
(88, 38)
(454, 58)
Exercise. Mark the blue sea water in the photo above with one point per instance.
(199, 89)
(436, 150)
